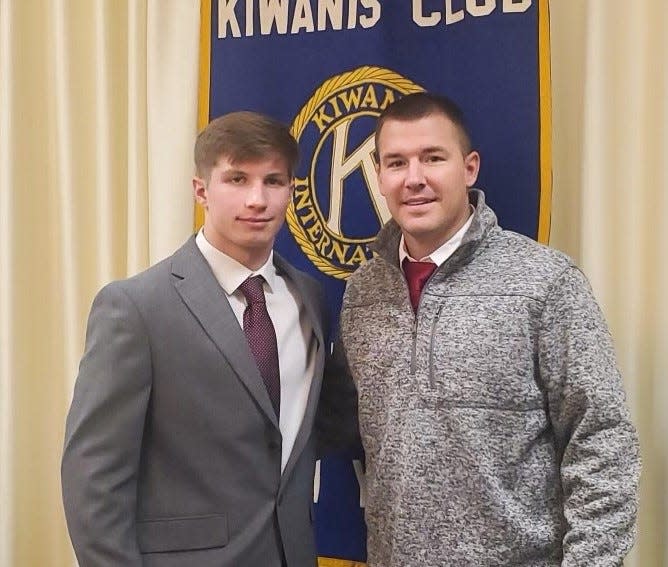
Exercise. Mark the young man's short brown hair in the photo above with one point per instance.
(242, 136)
(419, 105)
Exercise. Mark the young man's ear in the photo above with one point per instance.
(199, 191)
(472, 167)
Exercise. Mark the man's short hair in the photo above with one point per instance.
(419, 105)
(243, 136)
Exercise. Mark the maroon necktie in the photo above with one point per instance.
(417, 273)
(261, 338)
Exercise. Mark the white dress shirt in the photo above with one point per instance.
(442, 253)
(294, 332)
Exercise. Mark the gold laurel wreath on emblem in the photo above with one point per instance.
(364, 74)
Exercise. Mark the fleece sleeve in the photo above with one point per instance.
(596, 441)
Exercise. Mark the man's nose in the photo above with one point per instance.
(256, 196)
(414, 174)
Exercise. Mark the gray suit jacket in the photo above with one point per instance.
(172, 449)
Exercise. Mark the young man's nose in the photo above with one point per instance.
(256, 195)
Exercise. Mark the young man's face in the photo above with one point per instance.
(424, 177)
(245, 206)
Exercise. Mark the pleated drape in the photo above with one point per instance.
(610, 77)
(98, 103)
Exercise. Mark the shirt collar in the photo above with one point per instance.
(443, 252)
(230, 273)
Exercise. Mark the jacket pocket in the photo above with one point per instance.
(182, 534)
(481, 355)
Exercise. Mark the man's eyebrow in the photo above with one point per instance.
(391, 155)
(278, 174)
(236, 171)
(426, 150)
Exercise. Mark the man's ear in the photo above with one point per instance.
(379, 184)
(471, 167)
(199, 191)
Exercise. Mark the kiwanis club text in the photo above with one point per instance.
(245, 18)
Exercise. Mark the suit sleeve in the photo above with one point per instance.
(598, 444)
(103, 435)
(337, 425)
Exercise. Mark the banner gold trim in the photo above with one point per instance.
(331, 562)
(204, 83)
(545, 125)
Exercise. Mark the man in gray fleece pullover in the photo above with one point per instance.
(492, 414)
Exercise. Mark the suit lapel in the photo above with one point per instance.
(310, 300)
(201, 292)
(305, 287)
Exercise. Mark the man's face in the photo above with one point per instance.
(245, 206)
(424, 177)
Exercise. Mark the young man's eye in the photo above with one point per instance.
(237, 179)
(434, 158)
(276, 182)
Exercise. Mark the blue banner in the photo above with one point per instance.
(328, 68)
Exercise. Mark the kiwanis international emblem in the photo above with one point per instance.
(337, 208)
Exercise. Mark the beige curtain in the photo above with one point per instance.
(97, 121)
(610, 97)
(98, 102)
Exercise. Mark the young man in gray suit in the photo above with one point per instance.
(189, 440)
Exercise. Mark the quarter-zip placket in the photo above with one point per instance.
(413, 367)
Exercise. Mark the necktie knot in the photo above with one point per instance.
(253, 290)
(417, 274)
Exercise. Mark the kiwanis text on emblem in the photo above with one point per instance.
(337, 209)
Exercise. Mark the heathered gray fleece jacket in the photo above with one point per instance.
(494, 423)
